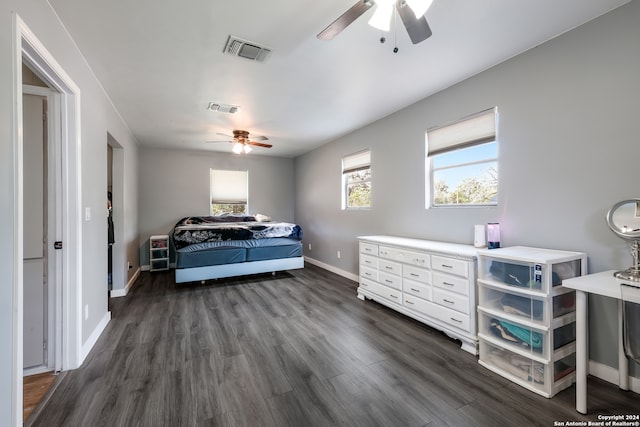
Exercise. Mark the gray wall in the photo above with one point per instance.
(98, 118)
(175, 184)
(568, 150)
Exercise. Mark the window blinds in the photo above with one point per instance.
(473, 130)
(356, 161)
(229, 187)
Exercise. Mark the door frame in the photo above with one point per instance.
(26, 47)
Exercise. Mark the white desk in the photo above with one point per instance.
(604, 284)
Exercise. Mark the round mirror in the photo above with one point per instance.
(624, 219)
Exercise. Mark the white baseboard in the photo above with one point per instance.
(93, 338)
(332, 269)
(609, 374)
(115, 293)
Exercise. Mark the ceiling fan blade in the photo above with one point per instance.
(259, 138)
(259, 144)
(344, 20)
(224, 134)
(215, 142)
(418, 29)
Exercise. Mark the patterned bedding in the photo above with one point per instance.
(200, 229)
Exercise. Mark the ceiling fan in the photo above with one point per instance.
(242, 142)
(411, 12)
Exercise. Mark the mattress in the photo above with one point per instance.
(236, 251)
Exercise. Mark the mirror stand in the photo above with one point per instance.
(632, 273)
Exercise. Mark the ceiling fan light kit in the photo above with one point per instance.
(242, 143)
(411, 13)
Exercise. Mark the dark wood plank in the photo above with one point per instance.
(291, 349)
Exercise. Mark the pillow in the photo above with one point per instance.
(262, 218)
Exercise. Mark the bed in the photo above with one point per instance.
(212, 247)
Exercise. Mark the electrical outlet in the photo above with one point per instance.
(129, 265)
(86, 312)
(338, 254)
(309, 246)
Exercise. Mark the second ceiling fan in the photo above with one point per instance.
(242, 142)
(411, 12)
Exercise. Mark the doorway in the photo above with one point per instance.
(39, 285)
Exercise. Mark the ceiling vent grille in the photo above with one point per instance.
(222, 108)
(245, 49)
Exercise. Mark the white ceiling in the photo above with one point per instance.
(161, 62)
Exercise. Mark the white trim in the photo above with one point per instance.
(93, 338)
(333, 269)
(116, 293)
(609, 374)
(17, 269)
(26, 47)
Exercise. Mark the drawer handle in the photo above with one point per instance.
(414, 275)
(388, 267)
(448, 302)
(364, 285)
(415, 290)
(383, 252)
(367, 274)
(456, 320)
(388, 281)
(447, 266)
(448, 284)
(408, 302)
(367, 262)
(393, 296)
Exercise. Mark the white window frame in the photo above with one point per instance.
(353, 163)
(235, 192)
(475, 130)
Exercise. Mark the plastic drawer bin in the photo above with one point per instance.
(518, 368)
(514, 335)
(520, 306)
(564, 335)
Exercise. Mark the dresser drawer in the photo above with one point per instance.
(451, 283)
(417, 274)
(390, 280)
(394, 295)
(368, 248)
(416, 288)
(456, 302)
(450, 265)
(405, 256)
(390, 266)
(369, 273)
(443, 314)
(369, 261)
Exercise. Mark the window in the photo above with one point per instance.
(462, 162)
(356, 180)
(229, 190)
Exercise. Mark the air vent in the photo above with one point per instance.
(245, 49)
(222, 108)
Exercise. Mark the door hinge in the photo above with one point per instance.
(57, 245)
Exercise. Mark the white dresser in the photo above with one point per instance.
(432, 282)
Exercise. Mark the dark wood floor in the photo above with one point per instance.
(295, 349)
